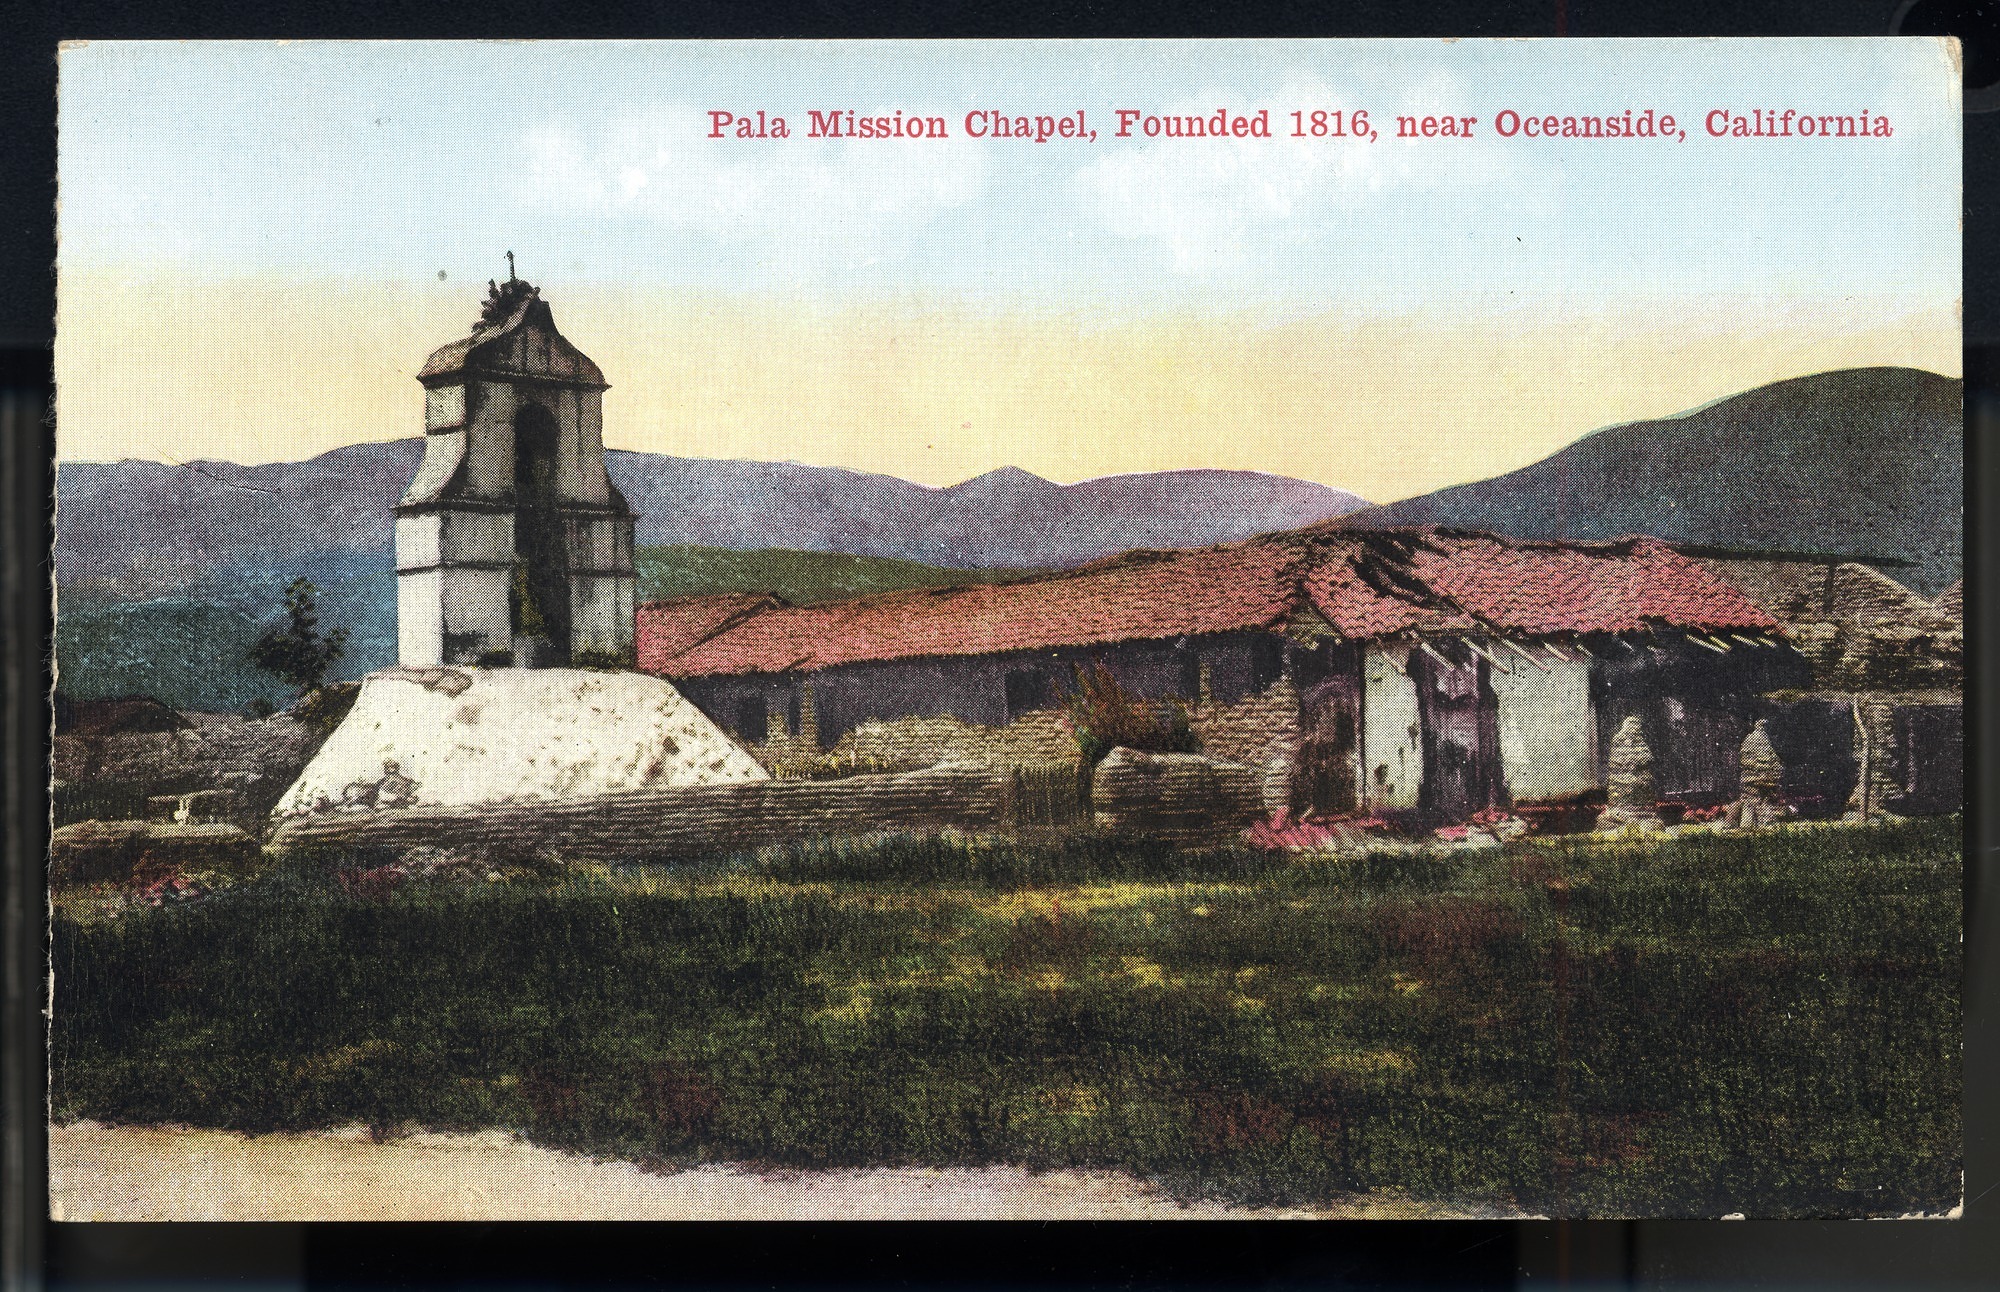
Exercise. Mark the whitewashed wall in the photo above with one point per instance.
(1548, 730)
(1392, 758)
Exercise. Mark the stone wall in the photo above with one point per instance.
(676, 822)
(253, 758)
(1174, 794)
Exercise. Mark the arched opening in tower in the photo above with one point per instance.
(540, 601)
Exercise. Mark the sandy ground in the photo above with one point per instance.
(173, 1173)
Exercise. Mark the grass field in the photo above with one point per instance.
(1765, 1024)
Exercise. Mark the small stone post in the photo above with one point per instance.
(1760, 779)
(1629, 791)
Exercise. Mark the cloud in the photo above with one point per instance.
(794, 200)
(1216, 205)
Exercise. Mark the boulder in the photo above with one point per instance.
(93, 851)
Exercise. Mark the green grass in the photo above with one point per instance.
(1712, 1024)
(803, 578)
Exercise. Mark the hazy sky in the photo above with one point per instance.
(260, 243)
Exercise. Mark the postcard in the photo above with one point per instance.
(1037, 629)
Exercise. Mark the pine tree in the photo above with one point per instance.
(298, 651)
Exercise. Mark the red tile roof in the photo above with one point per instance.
(1372, 585)
(671, 628)
(1365, 583)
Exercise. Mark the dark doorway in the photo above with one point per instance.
(753, 719)
(1460, 717)
(1329, 725)
(540, 604)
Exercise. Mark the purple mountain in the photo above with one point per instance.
(149, 528)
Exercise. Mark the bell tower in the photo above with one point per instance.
(513, 547)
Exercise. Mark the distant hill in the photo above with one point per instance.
(1862, 461)
(145, 529)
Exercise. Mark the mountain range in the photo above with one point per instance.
(155, 529)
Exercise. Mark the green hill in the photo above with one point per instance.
(799, 577)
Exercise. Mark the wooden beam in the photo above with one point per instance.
(1486, 655)
(1708, 645)
(1748, 641)
(1556, 651)
(1426, 648)
(1524, 654)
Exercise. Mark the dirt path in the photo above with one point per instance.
(167, 1173)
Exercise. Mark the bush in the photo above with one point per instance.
(1104, 716)
(297, 651)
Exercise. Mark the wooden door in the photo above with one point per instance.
(1460, 718)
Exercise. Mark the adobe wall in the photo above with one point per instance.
(1548, 728)
(1037, 737)
(1392, 752)
(1176, 795)
(926, 711)
(1259, 731)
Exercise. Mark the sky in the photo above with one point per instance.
(261, 242)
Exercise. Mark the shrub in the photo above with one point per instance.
(1104, 716)
(297, 651)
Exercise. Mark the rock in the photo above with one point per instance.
(93, 851)
(97, 851)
